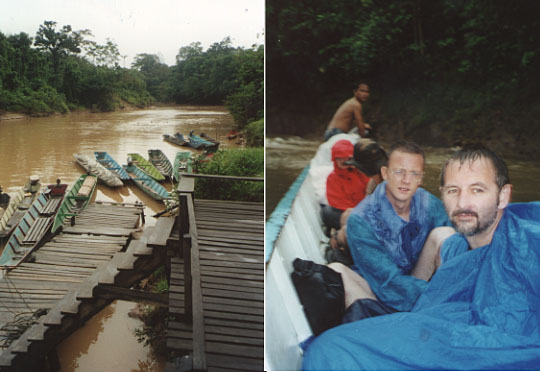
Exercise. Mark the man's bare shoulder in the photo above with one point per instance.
(352, 103)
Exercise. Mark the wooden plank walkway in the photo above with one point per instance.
(60, 278)
(230, 238)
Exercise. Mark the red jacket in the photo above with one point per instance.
(345, 188)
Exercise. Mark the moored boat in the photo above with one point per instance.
(31, 191)
(108, 162)
(161, 162)
(293, 230)
(183, 163)
(198, 142)
(92, 166)
(34, 225)
(6, 211)
(76, 200)
(146, 183)
(209, 139)
(177, 139)
(146, 166)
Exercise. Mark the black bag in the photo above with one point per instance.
(321, 293)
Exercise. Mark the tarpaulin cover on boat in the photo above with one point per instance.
(480, 311)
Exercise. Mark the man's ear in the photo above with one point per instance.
(384, 172)
(505, 196)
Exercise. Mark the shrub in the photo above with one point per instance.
(233, 162)
(255, 133)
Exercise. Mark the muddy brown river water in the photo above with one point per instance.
(45, 146)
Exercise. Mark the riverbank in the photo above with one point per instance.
(125, 107)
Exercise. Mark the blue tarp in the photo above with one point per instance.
(385, 247)
(480, 311)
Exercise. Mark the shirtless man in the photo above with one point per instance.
(349, 114)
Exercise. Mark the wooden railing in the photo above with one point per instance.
(189, 249)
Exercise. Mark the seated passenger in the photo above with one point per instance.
(480, 309)
(345, 186)
(385, 235)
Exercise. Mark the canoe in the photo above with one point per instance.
(76, 200)
(146, 183)
(161, 162)
(177, 139)
(34, 225)
(198, 142)
(146, 166)
(183, 163)
(92, 166)
(293, 230)
(30, 192)
(7, 212)
(209, 139)
(232, 134)
(108, 162)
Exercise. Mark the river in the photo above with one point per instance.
(287, 156)
(45, 147)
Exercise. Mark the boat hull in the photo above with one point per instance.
(146, 166)
(183, 163)
(76, 200)
(161, 162)
(94, 167)
(108, 162)
(293, 230)
(146, 183)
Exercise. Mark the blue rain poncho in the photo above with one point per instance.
(385, 247)
(480, 311)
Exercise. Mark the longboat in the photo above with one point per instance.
(161, 162)
(198, 142)
(92, 166)
(7, 211)
(177, 139)
(183, 163)
(34, 226)
(31, 190)
(76, 200)
(146, 166)
(294, 229)
(146, 183)
(108, 162)
(209, 139)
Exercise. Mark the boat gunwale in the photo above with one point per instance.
(68, 197)
(280, 214)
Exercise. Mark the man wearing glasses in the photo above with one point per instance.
(385, 235)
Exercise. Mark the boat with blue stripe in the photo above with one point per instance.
(146, 183)
(108, 162)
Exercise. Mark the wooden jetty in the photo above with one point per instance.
(72, 277)
(216, 300)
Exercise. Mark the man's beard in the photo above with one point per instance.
(479, 227)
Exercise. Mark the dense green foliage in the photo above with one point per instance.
(255, 133)
(61, 69)
(53, 73)
(248, 162)
(221, 74)
(440, 71)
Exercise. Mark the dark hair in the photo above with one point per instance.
(356, 85)
(477, 151)
(408, 147)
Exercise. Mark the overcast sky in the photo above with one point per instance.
(143, 26)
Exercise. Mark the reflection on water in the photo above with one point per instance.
(45, 146)
(286, 157)
(106, 344)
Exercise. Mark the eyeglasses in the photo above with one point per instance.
(401, 173)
